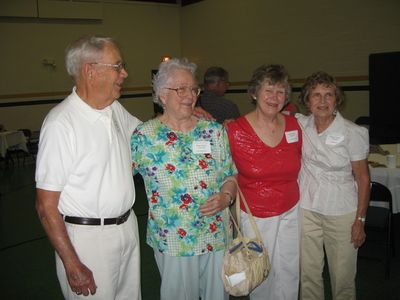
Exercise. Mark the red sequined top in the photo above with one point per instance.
(267, 175)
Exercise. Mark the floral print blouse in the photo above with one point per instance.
(180, 174)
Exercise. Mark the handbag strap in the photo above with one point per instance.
(239, 195)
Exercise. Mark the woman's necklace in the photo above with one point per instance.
(272, 131)
(273, 128)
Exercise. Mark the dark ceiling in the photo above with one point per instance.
(182, 2)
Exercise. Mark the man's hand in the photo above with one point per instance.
(81, 279)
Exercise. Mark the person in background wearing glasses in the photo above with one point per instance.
(184, 162)
(216, 82)
(85, 189)
(334, 191)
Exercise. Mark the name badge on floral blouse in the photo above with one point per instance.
(292, 136)
(201, 147)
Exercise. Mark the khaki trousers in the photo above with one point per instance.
(334, 234)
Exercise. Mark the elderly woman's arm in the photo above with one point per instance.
(221, 200)
(361, 175)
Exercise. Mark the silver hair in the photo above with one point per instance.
(165, 75)
(84, 50)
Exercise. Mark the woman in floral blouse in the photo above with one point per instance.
(184, 162)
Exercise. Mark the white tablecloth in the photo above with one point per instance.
(391, 179)
(12, 140)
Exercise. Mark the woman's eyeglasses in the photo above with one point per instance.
(183, 90)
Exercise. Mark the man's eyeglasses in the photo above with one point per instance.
(183, 90)
(117, 67)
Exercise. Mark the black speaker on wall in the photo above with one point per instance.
(384, 100)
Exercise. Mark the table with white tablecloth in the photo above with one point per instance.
(12, 140)
(390, 178)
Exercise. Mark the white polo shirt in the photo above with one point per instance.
(327, 185)
(85, 154)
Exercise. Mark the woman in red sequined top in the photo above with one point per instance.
(266, 148)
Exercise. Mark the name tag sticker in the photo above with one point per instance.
(334, 139)
(292, 136)
(201, 147)
(236, 278)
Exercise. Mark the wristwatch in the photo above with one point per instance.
(362, 219)
(230, 197)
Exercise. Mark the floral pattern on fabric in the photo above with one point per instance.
(178, 181)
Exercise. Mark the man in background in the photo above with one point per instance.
(85, 188)
(216, 82)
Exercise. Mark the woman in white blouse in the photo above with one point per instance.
(334, 190)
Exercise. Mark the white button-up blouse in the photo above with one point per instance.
(327, 185)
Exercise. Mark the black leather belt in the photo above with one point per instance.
(97, 221)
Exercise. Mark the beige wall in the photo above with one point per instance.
(145, 33)
(336, 36)
(305, 36)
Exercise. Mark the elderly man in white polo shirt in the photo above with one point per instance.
(85, 189)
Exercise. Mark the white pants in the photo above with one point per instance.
(334, 234)
(280, 235)
(111, 252)
(191, 277)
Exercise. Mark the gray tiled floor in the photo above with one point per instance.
(27, 261)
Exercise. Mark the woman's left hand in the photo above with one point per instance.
(361, 175)
(357, 234)
(214, 204)
(201, 113)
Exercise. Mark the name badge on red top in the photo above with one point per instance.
(292, 136)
